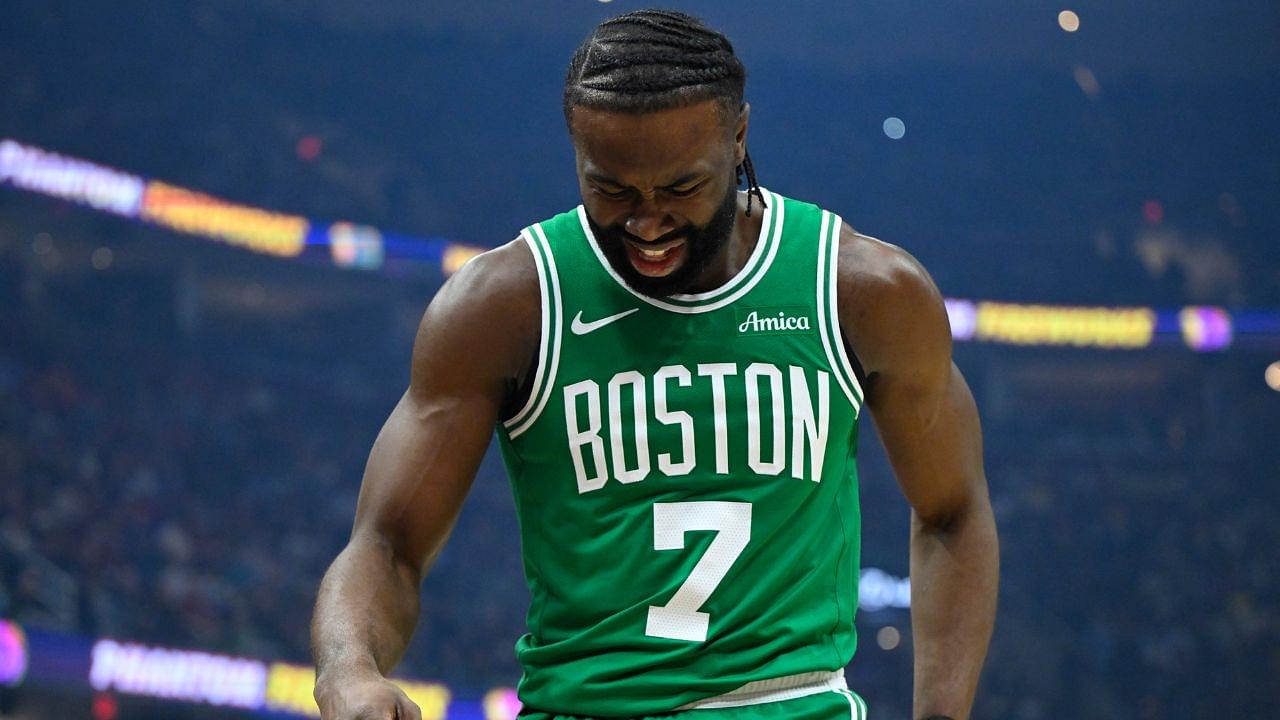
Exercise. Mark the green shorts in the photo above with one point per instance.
(825, 705)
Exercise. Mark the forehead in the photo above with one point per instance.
(622, 145)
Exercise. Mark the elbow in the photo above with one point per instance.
(938, 521)
(954, 515)
(384, 549)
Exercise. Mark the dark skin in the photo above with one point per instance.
(656, 173)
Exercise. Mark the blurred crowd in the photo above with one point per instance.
(152, 492)
(1135, 590)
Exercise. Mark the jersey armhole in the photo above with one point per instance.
(548, 359)
(858, 371)
(834, 342)
(519, 390)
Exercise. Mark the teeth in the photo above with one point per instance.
(655, 254)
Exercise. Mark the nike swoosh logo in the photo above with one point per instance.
(580, 328)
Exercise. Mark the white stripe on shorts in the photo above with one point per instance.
(788, 687)
(857, 706)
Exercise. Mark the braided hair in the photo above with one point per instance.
(651, 60)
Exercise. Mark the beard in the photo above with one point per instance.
(703, 244)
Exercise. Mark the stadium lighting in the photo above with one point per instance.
(1272, 376)
(888, 637)
(13, 654)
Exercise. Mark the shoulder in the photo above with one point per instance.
(890, 309)
(488, 314)
(504, 278)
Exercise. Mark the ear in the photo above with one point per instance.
(740, 135)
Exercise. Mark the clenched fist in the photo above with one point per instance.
(367, 696)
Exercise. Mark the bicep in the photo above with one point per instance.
(420, 470)
(932, 436)
(923, 409)
(425, 457)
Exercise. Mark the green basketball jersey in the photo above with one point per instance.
(684, 476)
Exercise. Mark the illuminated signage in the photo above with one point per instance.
(501, 704)
(13, 653)
(199, 214)
(455, 256)
(1205, 328)
(1077, 326)
(360, 246)
(963, 318)
(289, 689)
(878, 590)
(355, 246)
(431, 698)
(187, 675)
(177, 674)
(101, 188)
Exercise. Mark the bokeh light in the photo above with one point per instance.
(1273, 376)
(309, 147)
(42, 243)
(101, 258)
(105, 707)
(888, 638)
(502, 703)
(1153, 212)
(13, 653)
(1206, 329)
(1069, 21)
(894, 128)
(1087, 81)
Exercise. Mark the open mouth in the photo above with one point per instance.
(656, 260)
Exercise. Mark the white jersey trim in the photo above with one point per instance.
(552, 325)
(833, 291)
(826, 304)
(757, 253)
(787, 687)
(754, 270)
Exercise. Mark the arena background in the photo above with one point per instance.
(220, 221)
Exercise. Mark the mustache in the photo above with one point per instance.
(677, 234)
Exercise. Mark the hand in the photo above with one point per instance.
(366, 696)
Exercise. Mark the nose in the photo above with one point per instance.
(648, 221)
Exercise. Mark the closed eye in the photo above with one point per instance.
(685, 192)
(616, 195)
(673, 192)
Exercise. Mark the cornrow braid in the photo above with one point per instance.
(753, 185)
(651, 60)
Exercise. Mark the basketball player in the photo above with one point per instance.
(675, 371)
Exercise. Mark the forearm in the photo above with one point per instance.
(366, 609)
(955, 575)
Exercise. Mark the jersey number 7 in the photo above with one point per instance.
(680, 618)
